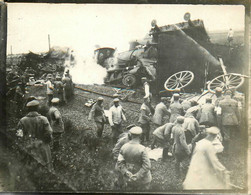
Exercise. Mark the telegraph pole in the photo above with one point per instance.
(49, 42)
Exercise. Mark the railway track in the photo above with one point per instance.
(103, 94)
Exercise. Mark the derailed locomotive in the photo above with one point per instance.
(167, 51)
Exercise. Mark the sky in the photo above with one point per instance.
(82, 26)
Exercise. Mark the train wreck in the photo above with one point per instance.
(181, 50)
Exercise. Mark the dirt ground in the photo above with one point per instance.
(85, 162)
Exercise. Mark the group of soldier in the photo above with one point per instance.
(193, 134)
(41, 129)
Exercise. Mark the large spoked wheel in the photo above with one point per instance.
(129, 80)
(227, 81)
(179, 80)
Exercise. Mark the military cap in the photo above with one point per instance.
(228, 91)
(49, 76)
(176, 95)
(136, 130)
(115, 95)
(213, 130)
(143, 78)
(32, 103)
(116, 100)
(218, 89)
(100, 99)
(130, 126)
(180, 119)
(55, 100)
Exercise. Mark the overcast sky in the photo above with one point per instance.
(82, 26)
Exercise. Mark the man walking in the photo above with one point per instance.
(115, 117)
(205, 171)
(36, 132)
(98, 114)
(134, 164)
(206, 114)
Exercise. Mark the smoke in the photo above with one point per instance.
(84, 70)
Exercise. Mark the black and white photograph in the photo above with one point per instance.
(116, 98)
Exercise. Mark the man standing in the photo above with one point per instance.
(162, 137)
(57, 124)
(19, 99)
(206, 114)
(59, 89)
(230, 119)
(144, 119)
(205, 171)
(191, 126)
(36, 132)
(97, 112)
(68, 87)
(230, 37)
(134, 164)
(161, 110)
(49, 88)
(176, 108)
(181, 150)
(115, 117)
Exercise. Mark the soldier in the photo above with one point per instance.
(49, 88)
(115, 117)
(56, 122)
(161, 110)
(134, 164)
(67, 87)
(162, 137)
(205, 171)
(176, 108)
(181, 150)
(98, 114)
(123, 139)
(146, 87)
(186, 105)
(230, 119)
(144, 119)
(206, 114)
(59, 89)
(36, 132)
(191, 126)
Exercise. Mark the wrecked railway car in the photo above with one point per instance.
(177, 50)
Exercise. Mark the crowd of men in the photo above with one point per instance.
(191, 133)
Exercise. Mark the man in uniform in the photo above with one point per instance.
(230, 118)
(206, 114)
(49, 88)
(57, 124)
(68, 87)
(98, 114)
(181, 150)
(161, 110)
(191, 126)
(144, 119)
(36, 132)
(134, 164)
(176, 108)
(162, 137)
(115, 117)
(19, 99)
(205, 171)
(59, 89)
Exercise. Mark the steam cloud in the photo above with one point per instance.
(86, 70)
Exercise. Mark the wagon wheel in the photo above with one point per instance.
(179, 80)
(129, 80)
(227, 81)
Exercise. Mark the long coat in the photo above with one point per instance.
(133, 157)
(206, 115)
(55, 119)
(160, 112)
(37, 134)
(205, 171)
(229, 112)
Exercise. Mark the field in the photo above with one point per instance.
(85, 163)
